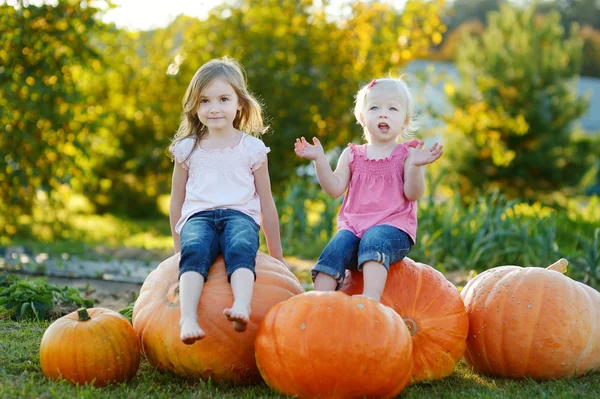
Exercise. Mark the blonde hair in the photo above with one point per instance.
(407, 99)
(249, 118)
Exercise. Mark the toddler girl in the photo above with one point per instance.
(377, 223)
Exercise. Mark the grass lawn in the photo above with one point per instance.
(21, 377)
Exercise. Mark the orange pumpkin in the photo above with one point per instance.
(330, 345)
(532, 322)
(433, 311)
(96, 346)
(224, 354)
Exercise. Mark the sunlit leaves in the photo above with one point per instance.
(515, 105)
(92, 108)
(41, 106)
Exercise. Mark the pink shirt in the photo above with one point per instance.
(221, 179)
(375, 193)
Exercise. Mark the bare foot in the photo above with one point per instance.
(239, 315)
(366, 296)
(190, 331)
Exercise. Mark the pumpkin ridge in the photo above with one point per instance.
(417, 291)
(425, 320)
(590, 341)
(537, 317)
(520, 275)
(117, 347)
(106, 350)
(498, 339)
(129, 361)
(277, 345)
(431, 303)
(75, 352)
(64, 334)
(433, 343)
(440, 332)
(488, 299)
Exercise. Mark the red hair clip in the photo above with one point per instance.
(371, 84)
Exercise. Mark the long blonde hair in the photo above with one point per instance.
(248, 119)
(403, 91)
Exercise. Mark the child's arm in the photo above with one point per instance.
(268, 211)
(333, 183)
(414, 181)
(180, 176)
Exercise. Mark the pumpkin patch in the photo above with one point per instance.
(223, 354)
(532, 322)
(96, 346)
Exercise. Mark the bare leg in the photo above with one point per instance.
(374, 275)
(325, 282)
(242, 286)
(190, 289)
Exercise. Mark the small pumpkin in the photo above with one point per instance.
(96, 346)
(223, 354)
(330, 345)
(532, 322)
(433, 312)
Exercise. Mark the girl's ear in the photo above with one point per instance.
(361, 119)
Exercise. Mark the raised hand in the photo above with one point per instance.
(420, 156)
(304, 149)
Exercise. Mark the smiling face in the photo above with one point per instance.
(218, 107)
(384, 115)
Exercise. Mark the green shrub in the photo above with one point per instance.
(37, 299)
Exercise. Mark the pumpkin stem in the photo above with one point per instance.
(83, 314)
(559, 266)
(411, 325)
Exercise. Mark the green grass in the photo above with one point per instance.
(21, 377)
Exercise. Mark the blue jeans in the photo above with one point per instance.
(207, 234)
(383, 244)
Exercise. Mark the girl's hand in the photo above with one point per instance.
(305, 150)
(420, 156)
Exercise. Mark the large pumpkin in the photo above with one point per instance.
(330, 345)
(532, 322)
(224, 354)
(96, 346)
(433, 311)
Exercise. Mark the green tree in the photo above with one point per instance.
(460, 11)
(47, 127)
(582, 12)
(515, 106)
(591, 51)
(139, 104)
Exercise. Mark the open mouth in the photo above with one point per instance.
(384, 127)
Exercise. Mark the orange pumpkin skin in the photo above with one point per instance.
(224, 354)
(101, 350)
(433, 311)
(330, 345)
(532, 322)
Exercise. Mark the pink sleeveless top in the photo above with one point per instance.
(375, 194)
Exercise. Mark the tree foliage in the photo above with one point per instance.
(91, 108)
(516, 104)
(43, 51)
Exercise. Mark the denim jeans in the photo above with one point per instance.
(207, 234)
(383, 244)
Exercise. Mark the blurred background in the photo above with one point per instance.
(90, 97)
